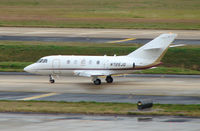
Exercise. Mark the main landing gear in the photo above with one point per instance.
(97, 81)
(109, 79)
(51, 79)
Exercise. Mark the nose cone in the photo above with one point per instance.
(27, 69)
(31, 68)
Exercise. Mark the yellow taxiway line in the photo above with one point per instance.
(39, 96)
(121, 40)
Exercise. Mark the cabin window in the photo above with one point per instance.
(83, 62)
(98, 62)
(75, 62)
(68, 61)
(90, 62)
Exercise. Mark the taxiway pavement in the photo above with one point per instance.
(160, 89)
(93, 40)
(189, 37)
(97, 33)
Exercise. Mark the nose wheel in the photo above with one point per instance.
(51, 79)
(109, 79)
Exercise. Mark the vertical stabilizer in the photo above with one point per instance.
(154, 50)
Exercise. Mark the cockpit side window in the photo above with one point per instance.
(42, 61)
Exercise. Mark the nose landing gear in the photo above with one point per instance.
(51, 79)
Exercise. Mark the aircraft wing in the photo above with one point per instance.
(90, 73)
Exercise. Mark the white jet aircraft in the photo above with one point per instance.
(145, 57)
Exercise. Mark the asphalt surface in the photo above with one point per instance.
(91, 40)
(129, 89)
(116, 98)
(188, 37)
(95, 33)
(58, 122)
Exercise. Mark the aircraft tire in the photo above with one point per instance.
(109, 79)
(52, 81)
(97, 82)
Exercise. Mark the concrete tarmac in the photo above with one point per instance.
(124, 89)
(138, 36)
(58, 122)
(97, 33)
(165, 90)
(116, 98)
(93, 40)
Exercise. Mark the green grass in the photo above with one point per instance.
(99, 24)
(97, 108)
(156, 14)
(16, 55)
(170, 70)
(13, 66)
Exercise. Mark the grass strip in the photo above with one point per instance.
(97, 108)
(169, 70)
(101, 25)
(151, 14)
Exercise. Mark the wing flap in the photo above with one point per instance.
(90, 73)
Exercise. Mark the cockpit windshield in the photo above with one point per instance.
(42, 61)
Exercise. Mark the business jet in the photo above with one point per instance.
(145, 57)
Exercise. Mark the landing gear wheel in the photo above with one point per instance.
(51, 80)
(97, 82)
(109, 79)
